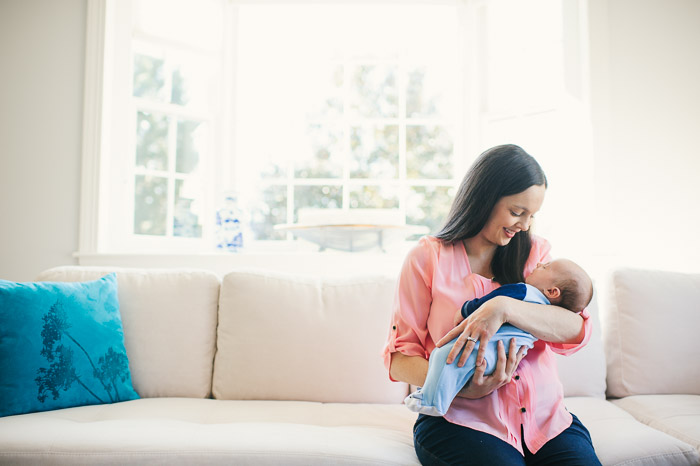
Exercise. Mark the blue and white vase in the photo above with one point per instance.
(229, 228)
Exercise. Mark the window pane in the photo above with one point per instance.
(152, 141)
(430, 92)
(192, 80)
(322, 156)
(375, 152)
(429, 206)
(373, 91)
(316, 197)
(321, 85)
(149, 77)
(268, 210)
(191, 141)
(374, 197)
(193, 22)
(428, 152)
(186, 218)
(150, 205)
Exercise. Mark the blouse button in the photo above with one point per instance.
(394, 327)
(517, 377)
(522, 410)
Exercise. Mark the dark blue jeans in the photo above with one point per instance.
(439, 442)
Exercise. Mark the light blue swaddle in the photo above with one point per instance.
(444, 381)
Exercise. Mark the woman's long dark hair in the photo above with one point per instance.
(500, 171)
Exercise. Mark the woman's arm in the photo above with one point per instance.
(548, 323)
(409, 369)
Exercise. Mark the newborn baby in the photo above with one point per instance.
(560, 282)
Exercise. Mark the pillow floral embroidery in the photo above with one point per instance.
(62, 373)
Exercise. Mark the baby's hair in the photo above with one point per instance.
(575, 296)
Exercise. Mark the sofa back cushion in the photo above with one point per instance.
(286, 337)
(651, 321)
(583, 373)
(169, 320)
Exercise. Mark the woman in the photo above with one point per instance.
(515, 415)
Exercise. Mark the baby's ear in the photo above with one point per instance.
(552, 293)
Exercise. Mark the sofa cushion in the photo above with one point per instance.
(583, 373)
(620, 439)
(677, 415)
(650, 327)
(197, 431)
(286, 337)
(203, 431)
(61, 345)
(169, 320)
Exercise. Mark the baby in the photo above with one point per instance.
(560, 282)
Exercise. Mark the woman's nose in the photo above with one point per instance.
(524, 225)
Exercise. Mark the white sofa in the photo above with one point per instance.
(265, 368)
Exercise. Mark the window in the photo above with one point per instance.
(346, 107)
(300, 107)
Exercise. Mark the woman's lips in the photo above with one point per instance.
(509, 233)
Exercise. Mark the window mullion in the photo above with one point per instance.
(172, 155)
(402, 87)
(346, 131)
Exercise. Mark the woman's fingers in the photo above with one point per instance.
(462, 342)
(478, 377)
(452, 334)
(483, 343)
(501, 364)
(521, 354)
(468, 348)
(512, 357)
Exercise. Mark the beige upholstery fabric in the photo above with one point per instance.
(169, 320)
(620, 440)
(651, 323)
(283, 337)
(200, 431)
(677, 415)
(583, 373)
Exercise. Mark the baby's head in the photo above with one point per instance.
(564, 283)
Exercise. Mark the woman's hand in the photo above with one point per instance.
(480, 326)
(480, 385)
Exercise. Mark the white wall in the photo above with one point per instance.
(42, 49)
(646, 117)
(646, 109)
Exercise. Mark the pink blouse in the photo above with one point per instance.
(435, 281)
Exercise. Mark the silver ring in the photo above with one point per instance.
(472, 339)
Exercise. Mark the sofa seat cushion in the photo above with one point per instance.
(620, 439)
(205, 431)
(677, 415)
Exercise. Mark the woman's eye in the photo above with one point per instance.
(515, 214)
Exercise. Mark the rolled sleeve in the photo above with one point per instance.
(567, 349)
(409, 322)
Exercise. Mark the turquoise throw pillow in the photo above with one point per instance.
(61, 345)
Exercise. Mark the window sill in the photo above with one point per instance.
(326, 263)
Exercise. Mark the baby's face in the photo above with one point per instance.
(546, 275)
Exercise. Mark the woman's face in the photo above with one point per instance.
(512, 214)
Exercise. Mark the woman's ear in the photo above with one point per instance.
(552, 293)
